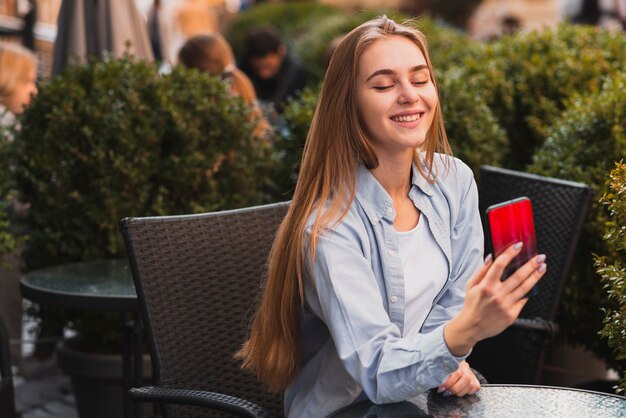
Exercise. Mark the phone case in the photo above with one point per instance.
(510, 222)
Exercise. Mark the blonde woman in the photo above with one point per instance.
(377, 288)
(18, 77)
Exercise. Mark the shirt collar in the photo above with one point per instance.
(375, 200)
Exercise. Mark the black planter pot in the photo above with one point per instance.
(97, 381)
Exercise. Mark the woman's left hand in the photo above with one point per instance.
(461, 382)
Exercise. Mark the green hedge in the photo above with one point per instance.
(612, 267)
(582, 146)
(527, 79)
(112, 139)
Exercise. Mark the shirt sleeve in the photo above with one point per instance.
(467, 244)
(345, 295)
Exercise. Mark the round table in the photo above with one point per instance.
(102, 285)
(499, 401)
(95, 285)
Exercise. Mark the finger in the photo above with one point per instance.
(522, 290)
(450, 381)
(524, 272)
(462, 386)
(480, 272)
(502, 261)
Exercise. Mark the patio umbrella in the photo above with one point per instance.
(96, 27)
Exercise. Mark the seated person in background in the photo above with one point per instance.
(276, 75)
(211, 53)
(376, 285)
(18, 77)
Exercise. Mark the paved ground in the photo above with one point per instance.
(42, 391)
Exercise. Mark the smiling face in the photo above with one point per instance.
(396, 96)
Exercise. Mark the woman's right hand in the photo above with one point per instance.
(491, 305)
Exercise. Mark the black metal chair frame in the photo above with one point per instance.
(7, 391)
(535, 328)
(218, 242)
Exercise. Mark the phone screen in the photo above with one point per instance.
(511, 222)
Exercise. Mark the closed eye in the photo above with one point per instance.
(382, 88)
(420, 83)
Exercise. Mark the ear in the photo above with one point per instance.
(282, 50)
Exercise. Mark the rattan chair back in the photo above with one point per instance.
(198, 279)
(560, 208)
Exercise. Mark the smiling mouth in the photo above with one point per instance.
(407, 118)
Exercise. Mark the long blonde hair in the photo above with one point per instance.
(16, 65)
(336, 143)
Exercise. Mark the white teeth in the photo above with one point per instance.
(409, 118)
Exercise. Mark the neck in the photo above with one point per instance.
(395, 176)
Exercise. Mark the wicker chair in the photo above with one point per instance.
(7, 394)
(560, 208)
(197, 279)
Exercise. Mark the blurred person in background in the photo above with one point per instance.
(210, 53)
(18, 77)
(276, 74)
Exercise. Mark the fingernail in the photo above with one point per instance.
(542, 268)
(518, 246)
(488, 258)
(446, 393)
(440, 389)
(540, 258)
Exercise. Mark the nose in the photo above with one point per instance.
(408, 94)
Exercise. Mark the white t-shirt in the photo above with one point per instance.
(425, 273)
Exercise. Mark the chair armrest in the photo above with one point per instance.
(200, 398)
(538, 325)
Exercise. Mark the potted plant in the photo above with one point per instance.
(612, 267)
(114, 138)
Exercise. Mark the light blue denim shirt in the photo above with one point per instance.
(352, 325)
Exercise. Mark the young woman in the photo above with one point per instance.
(376, 285)
(18, 77)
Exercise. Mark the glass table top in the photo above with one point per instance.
(102, 278)
(102, 284)
(499, 401)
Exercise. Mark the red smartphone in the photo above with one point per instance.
(510, 222)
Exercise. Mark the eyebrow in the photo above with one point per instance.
(389, 72)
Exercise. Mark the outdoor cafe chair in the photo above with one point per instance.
(7, 393)
(560, 208)
(197, 279)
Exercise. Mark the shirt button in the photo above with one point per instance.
(389, 210)
(394, 299)
(390, 252)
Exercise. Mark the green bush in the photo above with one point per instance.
(292, 19)
(527, 79)
(581, 147)
(11, 234)
(612, 268)
(112, 139)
